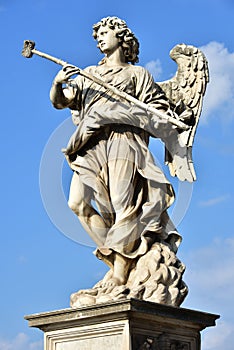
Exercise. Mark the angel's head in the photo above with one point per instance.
(119, 34)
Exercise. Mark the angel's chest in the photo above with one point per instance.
(122, 79)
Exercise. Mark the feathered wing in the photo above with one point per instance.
(185, 91)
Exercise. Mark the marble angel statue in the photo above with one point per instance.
(117, 191)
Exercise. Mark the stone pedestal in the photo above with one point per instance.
(122, 325)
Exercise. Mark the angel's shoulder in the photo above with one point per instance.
(140, 70)
(142, 75)
(79, 80)
(90, 69)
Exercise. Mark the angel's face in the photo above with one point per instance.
(107, 40)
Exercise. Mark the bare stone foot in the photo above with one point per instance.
(113, 282)
(91, 291)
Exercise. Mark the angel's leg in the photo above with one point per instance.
(80, 202)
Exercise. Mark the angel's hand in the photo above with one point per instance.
(59, 96)
(65, 74)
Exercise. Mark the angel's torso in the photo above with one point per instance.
(134, 80)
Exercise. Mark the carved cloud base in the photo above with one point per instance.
(155, 276)
(122, 325)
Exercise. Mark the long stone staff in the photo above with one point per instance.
(29, 50)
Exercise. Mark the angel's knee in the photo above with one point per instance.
(73, 205)
(77, 206)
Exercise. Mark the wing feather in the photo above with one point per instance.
(186, 88)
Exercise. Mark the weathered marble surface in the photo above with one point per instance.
(123, 325)
(114, 168)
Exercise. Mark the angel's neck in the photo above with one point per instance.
(115, 58)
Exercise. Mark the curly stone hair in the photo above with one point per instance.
(128, 41)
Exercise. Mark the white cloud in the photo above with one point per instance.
(210, 277)
(214, 201)
(212, 270)
(155, 68)
(220, 337)
(23, 259)
(219, 98)
(20, 342)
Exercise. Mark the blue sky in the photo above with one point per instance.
(41, 266)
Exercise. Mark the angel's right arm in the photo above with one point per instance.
(63, 97)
